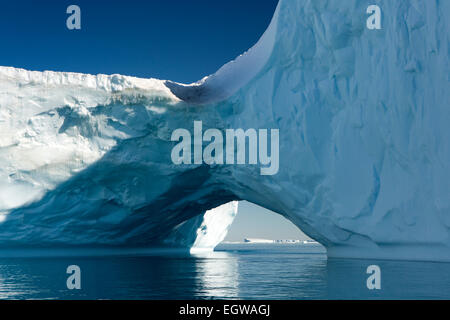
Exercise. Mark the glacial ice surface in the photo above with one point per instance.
(364, 140)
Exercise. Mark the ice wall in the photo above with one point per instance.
(363, 117)
(364, 139)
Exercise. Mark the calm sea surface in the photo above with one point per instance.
(234, 271)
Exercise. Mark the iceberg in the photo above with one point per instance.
(254, 240)
(364, 150)
(206, 231)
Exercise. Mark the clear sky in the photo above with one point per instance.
(180, 40)
(253, 221)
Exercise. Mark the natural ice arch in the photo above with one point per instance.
(364, 162)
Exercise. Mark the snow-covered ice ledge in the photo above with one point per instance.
(364, 140)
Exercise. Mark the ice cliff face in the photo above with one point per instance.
(364, 140)
(205, 231)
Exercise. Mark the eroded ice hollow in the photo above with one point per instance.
(364, 141)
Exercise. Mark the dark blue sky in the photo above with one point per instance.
(181, 40)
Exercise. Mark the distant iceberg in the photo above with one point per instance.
(364, 140)
(254, 240)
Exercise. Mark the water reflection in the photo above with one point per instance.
(280, 271)
(218, 275)
(236, 272)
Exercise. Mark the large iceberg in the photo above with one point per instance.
(363, 118)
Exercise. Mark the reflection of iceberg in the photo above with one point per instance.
(363, 118)
(218, 275)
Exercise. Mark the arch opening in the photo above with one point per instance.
(254, 223)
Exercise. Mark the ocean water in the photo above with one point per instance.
(233, 271)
